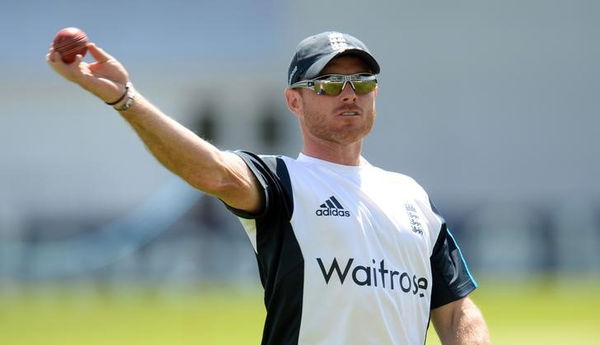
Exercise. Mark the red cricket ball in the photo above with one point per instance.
(69, 42)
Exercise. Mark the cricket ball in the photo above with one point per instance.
(69, 42)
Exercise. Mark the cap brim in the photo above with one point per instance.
(321, 63)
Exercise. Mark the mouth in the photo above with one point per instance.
(349, 112)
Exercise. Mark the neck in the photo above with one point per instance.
(345, 154)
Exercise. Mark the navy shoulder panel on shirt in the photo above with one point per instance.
(451, 277)
(280, 260)
(274, 180)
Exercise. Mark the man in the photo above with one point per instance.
(347, 253)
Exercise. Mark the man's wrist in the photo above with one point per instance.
(122, 97)
(127, 100)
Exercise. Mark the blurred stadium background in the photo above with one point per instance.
(492, 106)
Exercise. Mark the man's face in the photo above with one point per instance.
(341, 119)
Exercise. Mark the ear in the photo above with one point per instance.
(294, 101)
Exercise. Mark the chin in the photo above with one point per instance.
(350, 136)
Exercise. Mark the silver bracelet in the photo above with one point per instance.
(130, 97)
(127, 86)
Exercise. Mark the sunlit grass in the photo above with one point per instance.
(517, 313)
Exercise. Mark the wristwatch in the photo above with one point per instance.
(130, 97)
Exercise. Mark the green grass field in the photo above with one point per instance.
(534, 313)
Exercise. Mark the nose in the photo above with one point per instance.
(348, 95)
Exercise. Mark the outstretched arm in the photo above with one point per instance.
(201, 164)
(460, 323)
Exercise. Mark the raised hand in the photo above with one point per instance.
(105, 78)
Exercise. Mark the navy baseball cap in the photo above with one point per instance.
(315, 52)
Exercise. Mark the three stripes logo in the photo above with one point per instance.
(332, 207)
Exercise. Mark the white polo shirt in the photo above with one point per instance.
(349, 255)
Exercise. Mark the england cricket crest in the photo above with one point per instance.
(413, 218)
(337, 41)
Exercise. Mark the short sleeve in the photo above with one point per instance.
(452, 279)
(273, 179)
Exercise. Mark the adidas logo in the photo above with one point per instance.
(332, 207)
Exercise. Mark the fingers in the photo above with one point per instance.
(54, 59)
(51, 56)
(78, 59)
(98, 53)
(106, 66)
(104, 78)
(70, 71)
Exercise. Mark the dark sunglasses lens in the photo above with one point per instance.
(334, 88)
(364, 87)
(330, 88)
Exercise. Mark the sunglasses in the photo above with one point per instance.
(334, 84)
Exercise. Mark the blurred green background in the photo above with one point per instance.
(491, 106)
(536, 312)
